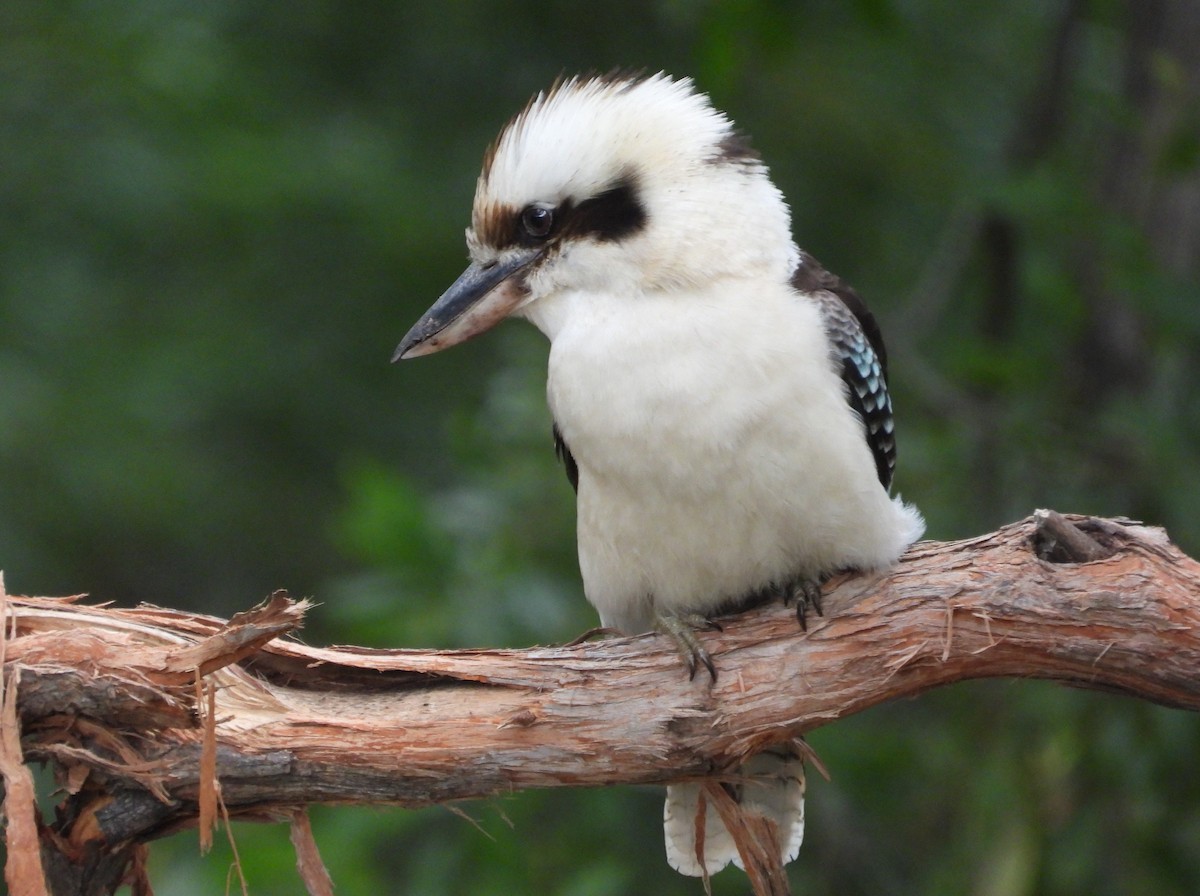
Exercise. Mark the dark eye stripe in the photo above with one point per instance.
(613, 214)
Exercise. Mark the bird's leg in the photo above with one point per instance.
(681, 628)
(806, 592)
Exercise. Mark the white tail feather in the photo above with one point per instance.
(770, 784)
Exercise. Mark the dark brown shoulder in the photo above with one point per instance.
(811, 277)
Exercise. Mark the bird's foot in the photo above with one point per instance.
(805, 592)
(681, 628)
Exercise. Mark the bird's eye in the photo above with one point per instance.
(537, 221)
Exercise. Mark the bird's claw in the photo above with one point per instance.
(682, 628)
(805, 592)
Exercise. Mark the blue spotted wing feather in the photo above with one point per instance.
(858, 348)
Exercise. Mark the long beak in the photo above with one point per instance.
(482, 296)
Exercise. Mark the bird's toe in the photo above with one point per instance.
(681, 628)
(805, 592)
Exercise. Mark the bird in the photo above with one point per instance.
(719, 400)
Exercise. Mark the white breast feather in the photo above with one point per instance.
(705, 472)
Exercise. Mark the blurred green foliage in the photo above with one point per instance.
(217, 219)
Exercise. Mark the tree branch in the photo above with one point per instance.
(110, 697)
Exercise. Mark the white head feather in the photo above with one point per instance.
(710, 209)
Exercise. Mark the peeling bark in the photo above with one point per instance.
(111, 697)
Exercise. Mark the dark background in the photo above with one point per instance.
(217, 219)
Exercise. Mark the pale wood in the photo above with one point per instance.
(110, 696)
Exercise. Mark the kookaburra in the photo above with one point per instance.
(719, 399)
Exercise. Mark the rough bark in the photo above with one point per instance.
(135, 707)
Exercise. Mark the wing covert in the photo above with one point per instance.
(563, 453)
(859, 350)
